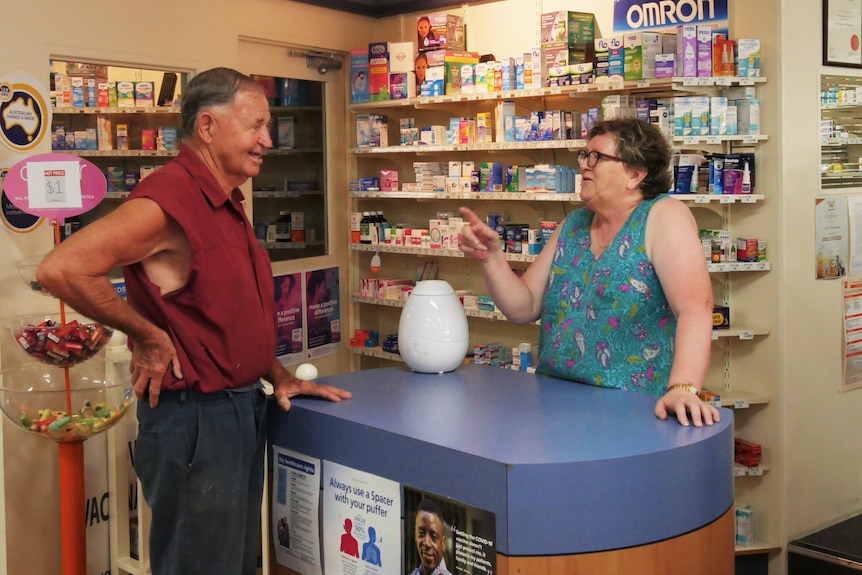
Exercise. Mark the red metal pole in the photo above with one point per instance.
(72, 519)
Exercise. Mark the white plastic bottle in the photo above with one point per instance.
(746, 179)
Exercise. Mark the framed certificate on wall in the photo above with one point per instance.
(842, 33)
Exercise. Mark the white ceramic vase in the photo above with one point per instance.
(433, 336)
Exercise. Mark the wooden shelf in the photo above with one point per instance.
(738, 399)
(118, 110)
(742, 471)
(376, 352)
(491, 315)
(292, 151)
(478, 147)
(579, 90)
(480, 196)
(120, 153)
(285, 193)
(757, 548)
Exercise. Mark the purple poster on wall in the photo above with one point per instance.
(288, 309)
(322, 311)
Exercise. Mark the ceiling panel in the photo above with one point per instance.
(378, 8)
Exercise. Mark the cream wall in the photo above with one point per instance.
(183, 36)
(824, 465)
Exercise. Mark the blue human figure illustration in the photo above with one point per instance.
(370, 551)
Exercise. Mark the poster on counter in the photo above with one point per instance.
(322, 311)
(295, 505)
(447, 537)
(361, 522)
(831, 237)
(290, 338)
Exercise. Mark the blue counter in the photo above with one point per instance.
(567, 468)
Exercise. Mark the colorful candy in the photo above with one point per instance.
(63, 345)
(61, 427)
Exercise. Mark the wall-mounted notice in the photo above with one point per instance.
(323, 311)
(831, 236)
(290, 341)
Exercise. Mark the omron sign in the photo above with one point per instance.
(633, 15)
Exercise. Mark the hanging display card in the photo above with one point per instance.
(54, 184)
(54, 187)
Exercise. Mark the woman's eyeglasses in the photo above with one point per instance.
(592, 158)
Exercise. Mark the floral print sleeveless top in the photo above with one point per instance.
(606, 320)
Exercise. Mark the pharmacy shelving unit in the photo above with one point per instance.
(414, 209)
(293, 175)
(840, 132)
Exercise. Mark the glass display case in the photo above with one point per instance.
(840, 131)
(288, 195)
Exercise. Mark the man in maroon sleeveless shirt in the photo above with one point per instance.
(202, 328)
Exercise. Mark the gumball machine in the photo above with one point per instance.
(67, 393)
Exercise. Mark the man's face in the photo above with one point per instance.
(430, 541)
(241, 137)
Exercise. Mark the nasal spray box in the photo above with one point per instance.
(704, 51)
(686, 50)
(640, 52)
(748, 57)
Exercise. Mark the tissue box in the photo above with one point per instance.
(446, 31)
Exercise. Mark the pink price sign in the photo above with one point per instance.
(55, 186)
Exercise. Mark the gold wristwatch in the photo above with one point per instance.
(685, 386)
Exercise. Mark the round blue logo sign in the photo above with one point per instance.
(23, 116)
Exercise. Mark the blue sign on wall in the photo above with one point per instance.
(663, 15)
(14, 219)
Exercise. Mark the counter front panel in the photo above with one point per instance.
(567, 468)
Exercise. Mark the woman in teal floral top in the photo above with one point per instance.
(622, 287)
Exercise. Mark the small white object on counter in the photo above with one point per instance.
(306, 371)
